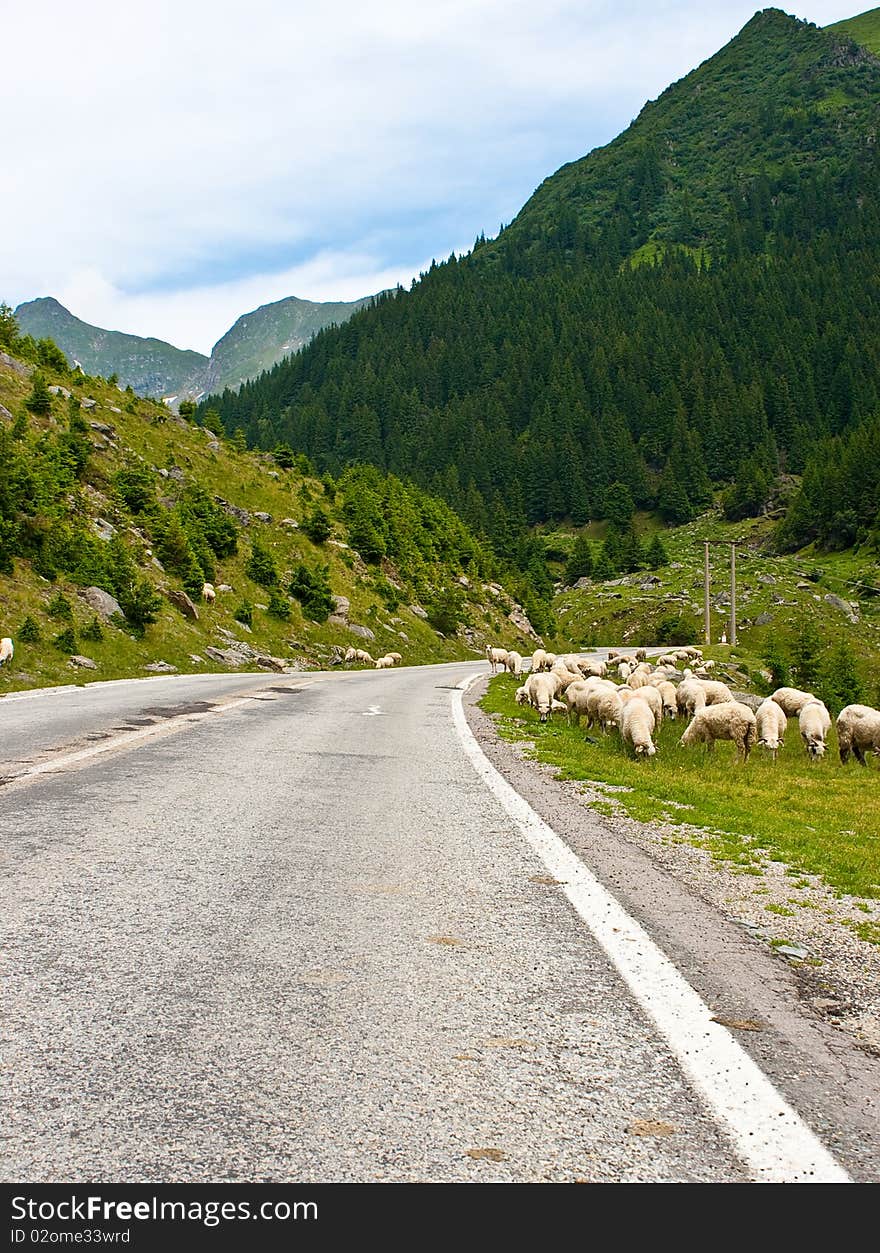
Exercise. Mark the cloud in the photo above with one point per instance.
(174, 155)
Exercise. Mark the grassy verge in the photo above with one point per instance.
(822, 819)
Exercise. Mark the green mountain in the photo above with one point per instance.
(150, 366)
(104, 495)
(260, 339)
(694, 306)
(256, 342)
(864, 29)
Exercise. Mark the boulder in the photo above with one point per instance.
(103, 529)
(336, 620)
(181, 601)
(84, 663)
(764, 619)
(224, 587)
(194, 657)
(768, 579)
(263, 517)
(160, 667)
(290, 522)
(17, 367)
(850, 610)
(57, 390)
(88, 403)
(266, 662)
(418, 611)
(5, 414)
(103, 428)
(364, 632)
(343, 605)
(226, 656)
(240, 515)
(518, 617)
(102, 602)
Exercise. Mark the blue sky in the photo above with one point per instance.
(176, 163)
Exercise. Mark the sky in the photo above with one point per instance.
(168, 166)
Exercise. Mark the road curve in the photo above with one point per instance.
(286, 933)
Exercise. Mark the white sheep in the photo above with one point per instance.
(550, 660)
(668, 697)
(6, 650)
(653, 700)
(637, 726)
(395, 657)
(624, 670)
(521, 695)
(384, 663)
(604, 707)
(814, 721)
(538, 658)
(209, 594)
(770, 726)
(791, 700)
(542, 692)
(641, 654)
(364, 657)
(858, 732)
(727, 721)
(496, 657)
(350, 655)
(689, 695)
(514, 662)
(564, 677)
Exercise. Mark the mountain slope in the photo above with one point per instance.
(864, 29)
(696, 303)
(151, 366)
(258, 340)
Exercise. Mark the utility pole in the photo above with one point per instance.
(707, 621)
(732, 594)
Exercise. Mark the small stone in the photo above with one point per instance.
(161, 667)
(418, 611)
(84, 663)
(793, 951)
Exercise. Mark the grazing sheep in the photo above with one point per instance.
(514, 662)
(770, 726)
(364, 657)
(707, 666)
(550, 660)
(395, 657)
(639, 677)
(653, 700)
(538, 658)
(564, 676)
(689, 695)
(542, 692)
(858, 732)
(209, 594)
(727, 721)
(350, 655)
(384, 663)
(668, 697)
(637, 726)
(496, 657)
(521, 695)
(6, 650)
(641, 654)
(716, 693)
(814, 721)
(791, 699)
(592, 667)
(624, 670)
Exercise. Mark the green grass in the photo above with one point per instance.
(864, 29)
(822, 819)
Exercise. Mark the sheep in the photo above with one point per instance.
(7, 650)
(538, 657)
(641, 654)
(689, 695)
(550, 660)
(209, 594)
(858, 732)
(667, 697)
(636, 727)
(791, 699)
(707, 665)
(716, 693)
(350, 655)
(598, 703)
(395, 657)
(564, 676)
(496, 657)
(364, 657)
(814, 721)
(542, 692)
(727, 721)
(593, 667)
(514, 662)
(606, 708)
(384, 663)
(770, 726)
(521, 695)
(624, 671)
(653, 700)
(639, 677)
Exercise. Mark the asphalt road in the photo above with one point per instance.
(277, 928)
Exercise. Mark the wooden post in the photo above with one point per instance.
(732, 594)
(707, 621)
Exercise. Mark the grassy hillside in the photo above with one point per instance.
(864, 29)
(93, 493)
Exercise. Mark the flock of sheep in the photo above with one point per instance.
(360, 656)
(645, 693)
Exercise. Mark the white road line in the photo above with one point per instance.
(373, 712)
(770, 1137)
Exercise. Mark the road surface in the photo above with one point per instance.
(270, 928)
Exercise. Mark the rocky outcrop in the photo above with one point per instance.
(181, 601)
(364, 632)
(225, 656)
(82, 663)
(849, 608)
(102, 602)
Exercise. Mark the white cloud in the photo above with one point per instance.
(168, 157)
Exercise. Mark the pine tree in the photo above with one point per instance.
(656, 554)
(39, 400)
(580, 563)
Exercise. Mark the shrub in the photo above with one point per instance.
(140, 603)
(445, 611)
(279, 606)
(39, 400)
(261, 566)
(93, 630)
(60, 607)
(245, 613)
(65, 641)
(29, 631)
(312, 589)
(317, 527)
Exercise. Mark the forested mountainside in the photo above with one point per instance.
(254, 343)
(696, 304)
(113, 511)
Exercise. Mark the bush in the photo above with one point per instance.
(245, 613)
(60, 607)
(65, 641)
(312, 589)
(317, 527)
(279, 606)
(29, 631)
(261, 566)
(93, 630)
(140, 603)
(445, 611)
(39, 400)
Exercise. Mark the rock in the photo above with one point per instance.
(5, 414)
(792, 950)
(518, 617)
(343, 605)
(768, 579)
(102, 602)
(244, 626)
(648, 582)
(196, 658)
(290, 522)
(804, 585)
(273, 474)
(175, 472)
(163, 472)
(161, 667)
(464, 580)
(57, 390)
(158, 564)
(181, 601)
(103, 529)
(240, 515)
(748, 698)
(84, 663)
(337, 656)
(583, 582)
(214, 445)
(364, 632)
(88, 403)
(224, 587)
(114, 408)
(337, 543)
(270, 663)
(764, 619)
(17, 367)
(403, 635)
(336, 620)
(263, 517)
(418, 611)
(226, 656)
(103, 428)
(848, 608)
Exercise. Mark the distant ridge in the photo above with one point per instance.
(864, 29)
